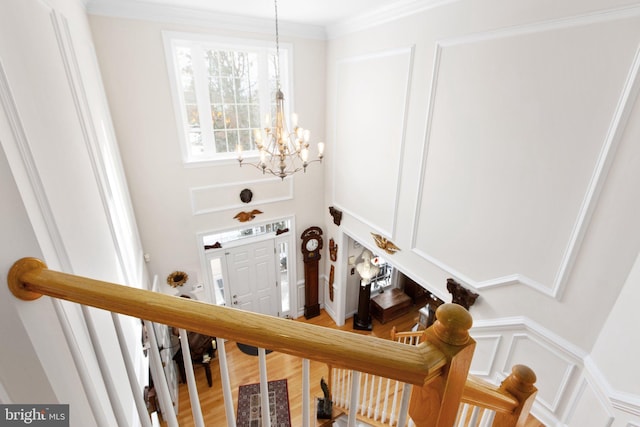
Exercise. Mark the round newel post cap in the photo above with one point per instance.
(452, 324)
(522, 378)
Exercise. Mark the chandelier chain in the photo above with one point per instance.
(277, 48)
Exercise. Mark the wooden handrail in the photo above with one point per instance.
(486, 395)
(29, 278)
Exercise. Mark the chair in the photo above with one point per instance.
(202, 349)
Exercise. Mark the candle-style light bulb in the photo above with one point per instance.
(294, 120)
(239, 148)
(306, 135)
(305, 155)
(320, 149)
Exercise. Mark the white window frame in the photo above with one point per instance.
(174, 39)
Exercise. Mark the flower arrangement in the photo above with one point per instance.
(177, 278)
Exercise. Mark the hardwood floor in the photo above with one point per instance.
(243, 369)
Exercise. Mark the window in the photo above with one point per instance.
(223, 91)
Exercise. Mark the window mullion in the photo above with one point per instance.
(201, 82)
(265, 90)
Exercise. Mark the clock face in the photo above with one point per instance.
(312, 245)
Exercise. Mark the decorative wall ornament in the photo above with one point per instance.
(280, 231)
(461, 295)
(246, 195)
(177, 278)
(333, 250)
(336, 214)
(331, 279)
(384, 244)
(247, 216)
(216, 245)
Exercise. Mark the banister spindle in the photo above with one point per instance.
(520, 384)
(435, 404)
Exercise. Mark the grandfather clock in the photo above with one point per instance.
(311, 245)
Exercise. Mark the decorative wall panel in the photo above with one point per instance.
(485, 354)
(589, 409)
(215, 198)
(371, 103)
(512, 109)
(552, 368)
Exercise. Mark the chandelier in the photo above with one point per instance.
(282, 152)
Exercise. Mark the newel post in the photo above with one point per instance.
(435, 404)
(520, 385)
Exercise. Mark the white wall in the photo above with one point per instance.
(168, 195)
(613, 349)
(496, 143)
(69, 207)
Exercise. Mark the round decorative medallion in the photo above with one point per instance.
(177, 278)
(246, 195)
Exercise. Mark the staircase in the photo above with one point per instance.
(430, 375)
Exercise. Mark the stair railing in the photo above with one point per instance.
(29, 279)
(502, 406)
(437, 368)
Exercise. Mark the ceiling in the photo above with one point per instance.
(311, 12)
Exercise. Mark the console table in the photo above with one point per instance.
(390, 304)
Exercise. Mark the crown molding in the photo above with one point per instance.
(383, 15)
(201, 18)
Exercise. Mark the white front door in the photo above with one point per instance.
(252, 277)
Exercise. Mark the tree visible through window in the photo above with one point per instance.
(224, 92)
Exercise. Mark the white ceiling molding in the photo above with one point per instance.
(383, 15)
(209, 19)
(202, 18)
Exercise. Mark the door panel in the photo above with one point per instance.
(252, 279)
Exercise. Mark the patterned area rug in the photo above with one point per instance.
(249, 405)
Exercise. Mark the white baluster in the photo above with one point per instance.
(377, 411)
(473, 422)
(226, 384)
(383, 418)
(196, 410)
(404, 405)
(337, 389)
(392, 417)
(141, 406)
(487, 418)
(264, 388)
(370, 408)
(306, 393)
(353, 400)
(462, 415)
(363, 404)
(159, 379)
(103, 366)
(345, 387)
(349, 388)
